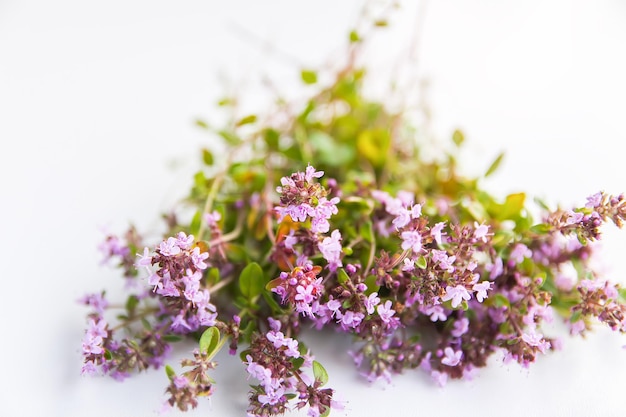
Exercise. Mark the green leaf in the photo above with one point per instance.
(370, 281)
(207, 157)
(251, 280)
(458, 138)
(354, 36)
(494, 165)
(308, 76)
(172, 338)
(381, 23)
(512, 207)
(367, 231)
(246, 120)
(196, 221)
(202, 124)
(209, 341)
(541, 228)
(271, 139)
(169, 371)
(500, 300)
(320, 373)
(131, 303)
(213, 276)
(342, 276)
(421, 262)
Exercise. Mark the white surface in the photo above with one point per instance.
(96, 107)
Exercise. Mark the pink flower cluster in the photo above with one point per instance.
(178, 276)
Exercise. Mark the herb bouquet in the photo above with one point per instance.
(328, 215)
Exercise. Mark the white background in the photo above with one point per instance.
(97, 102)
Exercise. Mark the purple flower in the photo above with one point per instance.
(461, 327)
(197, 258)
(481, 231)
(481, 290)
(435, 231)
(350, 319)
(409, 265)
(310, 173)
(97, 329)
(594, 200)
(385, 311)
(371, 302)
(411, 240)
(89, 368)
(573, 217)
(457, 294)
(519, 252)
(183, 241)
(451, 357)
(333, 306)
(441, 378)
(169, 247)
(436, 313)
(211, 219)
(97, 301)
(331, 249)
(496, 269)
(180, 382)
(272, 396)
(403, 218)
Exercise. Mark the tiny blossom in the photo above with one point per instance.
(481, 231)
(409, 265)
(594, 200)
(411, 240)
(573, 217)
(351, 319)
(416, 211)
(402, 219)
(451, 357)
(496, 269)
(290, 241)
(331, 249)
(519, 252)
(457, 294)
(436, 313)
(212, 218)
(371, 301)
(169, 247)
(436, 231)
(441, 378)
(461, 327)
(481, 290)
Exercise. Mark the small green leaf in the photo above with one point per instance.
(421, 262)
(169, 371)
(271, 139)
(146, 324)
(207, 157)
(172, 338)
(354, 36)
(342, 276)
(202, 124)
(213, 276)
(370, 281)
(500, 300)
(381, 23)
(458, 138)
(251, 280)
(131, 303)
(196, 221)
(320, 373)
(367, 231)
(308, 76)
(541, 228)
(246, 120)
(494, 165)
(209, 340)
